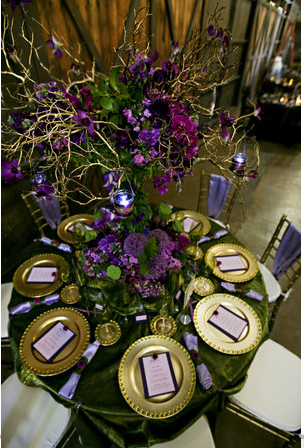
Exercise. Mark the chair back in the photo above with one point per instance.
(217, 196)
(37, 215)
(284, 250)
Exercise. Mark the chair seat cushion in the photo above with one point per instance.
(273, 287)
(272, 391)
(30, 417)
(6, 291)
(197, 436)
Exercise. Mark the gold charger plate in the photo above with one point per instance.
(204, 224)
(62, 229)
(34, 362)
(38, 289)
(232, 249)
(217, 339)
(130, 380)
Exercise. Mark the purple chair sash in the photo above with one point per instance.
(50, 210)
(219, 188)
(288, 251)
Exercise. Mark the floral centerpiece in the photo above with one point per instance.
(144, 120)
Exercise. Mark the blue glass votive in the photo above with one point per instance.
(39, 178)
(123, 202)
(238, 161)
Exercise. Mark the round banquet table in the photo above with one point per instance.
(102, 416)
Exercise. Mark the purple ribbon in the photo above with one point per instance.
(50, 208)
(25, 307)
(289, 249)
(231, 287)
(68, 389)
(219, 188)
(61, 246)
(203, 374)
(217, 235)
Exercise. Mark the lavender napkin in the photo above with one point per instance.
(217, 235)
(50, 208)
(203, 374)
(231, 287)
(68, 389)
(55, 243)
(25, 307)
(219, 188)
(288, 251)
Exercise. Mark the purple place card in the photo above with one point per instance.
(53, 341)
(227, 263)
(157, 374)
(42, 274)
(228, 322)
(143, 317)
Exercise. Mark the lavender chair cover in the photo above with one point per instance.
(219, 188)
(289, 249)
(50, 210)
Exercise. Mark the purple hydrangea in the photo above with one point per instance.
(149, 137)
(134, 244)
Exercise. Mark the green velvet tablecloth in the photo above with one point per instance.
(102, 415)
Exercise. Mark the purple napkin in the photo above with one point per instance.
(203, 374)
(50, 209)
(217, 235)
(231, 287)
(219, 188)
(68, 389)
(55, 243)
(289, 249)
(25, 307)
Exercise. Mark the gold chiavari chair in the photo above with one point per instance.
(233, 189)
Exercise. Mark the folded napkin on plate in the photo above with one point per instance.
(203, 374)
(25, 307)
(55, 243)
(214, 236)
(231, 287)
(68, 389)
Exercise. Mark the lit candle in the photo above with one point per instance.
(123, 202)
(39, 178)
(238, 161)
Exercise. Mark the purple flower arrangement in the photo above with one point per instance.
(142, 261)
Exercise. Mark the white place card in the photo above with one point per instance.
(227, 263)
(42, 274)
(228, 322)
(71, 228)
(157, 374)
(53, 341)
(189, 224)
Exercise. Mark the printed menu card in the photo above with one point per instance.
(53, 341)
(228, 322)
(42, 274)
(228, 263)
(157, 374)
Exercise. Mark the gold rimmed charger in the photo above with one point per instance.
(238, 276)
(63, 229)
(130, 379)
(218, 340)
(203, 226)
(38, 289)
(71, 353)
(70, 294)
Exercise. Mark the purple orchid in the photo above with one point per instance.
(44, 189)
(85, 121)
(258, 112)
(11, 171)
(226, 121)
(15, 3)
(212, 30)
(56, 47)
